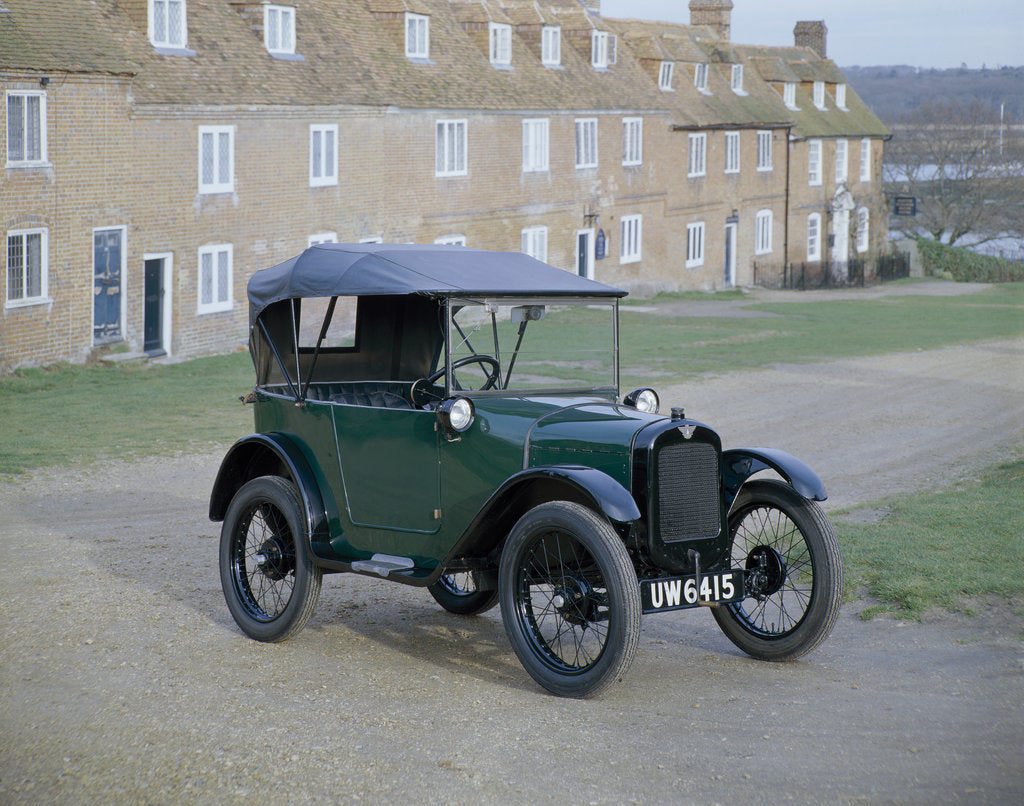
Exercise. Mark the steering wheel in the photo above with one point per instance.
(492, 369)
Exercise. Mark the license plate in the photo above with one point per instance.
(675, 593)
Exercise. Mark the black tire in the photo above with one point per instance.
(457, 593)
(269, 582)
(795, 573)
(570, 600)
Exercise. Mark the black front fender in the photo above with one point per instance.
(739, 464)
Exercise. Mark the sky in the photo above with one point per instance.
(920, 33)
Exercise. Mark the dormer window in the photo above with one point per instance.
(736, 81)
(417, 36)
(279, 29)
(819, 95)
(789, 96)
(167, 28)
(700, 77)
(501, 43)
(665, 76)
(841, 97)
(551, 45)
(603, 51)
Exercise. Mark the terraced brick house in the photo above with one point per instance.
(160, 151)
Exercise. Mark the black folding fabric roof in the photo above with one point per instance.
(333, 269)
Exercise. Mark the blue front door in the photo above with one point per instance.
(107, 251)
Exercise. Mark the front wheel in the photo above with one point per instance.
(270, 584)
(457, 592)
(794, 573)
(570, 601)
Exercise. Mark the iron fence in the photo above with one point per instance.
(825, 274)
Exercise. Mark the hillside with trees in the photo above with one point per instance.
(893, 92)
(957, 147)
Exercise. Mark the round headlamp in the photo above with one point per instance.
(456, 414)
(644, 399)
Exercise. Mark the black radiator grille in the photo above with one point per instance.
(688, 498)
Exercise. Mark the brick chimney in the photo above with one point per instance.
(716, 14)
(811, 34)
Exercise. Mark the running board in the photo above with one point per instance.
(383, 564)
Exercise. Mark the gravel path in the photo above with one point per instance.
(124, 680)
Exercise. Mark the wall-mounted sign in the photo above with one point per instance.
(905, 205)
(599, 245)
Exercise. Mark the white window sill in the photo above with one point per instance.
(28, 303)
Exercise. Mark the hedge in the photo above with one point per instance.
(966, 266)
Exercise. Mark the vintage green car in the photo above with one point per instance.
(449, 418)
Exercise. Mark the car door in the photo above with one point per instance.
(389, 469)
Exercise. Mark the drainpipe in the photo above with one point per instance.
(785, 229)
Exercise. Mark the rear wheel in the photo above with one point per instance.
(270, 584)
(458, 593)
(794, 573)
(570, 600)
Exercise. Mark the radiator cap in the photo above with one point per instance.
(678, 413)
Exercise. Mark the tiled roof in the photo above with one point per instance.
(352, 54)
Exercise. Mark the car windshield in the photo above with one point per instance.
(534, 344)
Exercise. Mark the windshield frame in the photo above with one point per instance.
(453, 303)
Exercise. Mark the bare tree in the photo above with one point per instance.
(966, 169)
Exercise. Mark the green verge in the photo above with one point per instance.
(656, 348)
(72, 414)
(940, 549)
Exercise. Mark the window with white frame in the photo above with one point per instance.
(865, 160)
(814, 237)
(789, 95)
(279, 29)
(586, 143)
(501, 43)
(417, 36)
(603, 49)
(26, 128)
(535, 145)
(665, 76)
(764, 151)
(732, 152)
(700, 77)
(698, 155)
(695, 245)
(736, 80)
(451, 240)
(27, 266)
(215, 281)
(763, 232)
(450, 150)
(216, 159)
(632, 141)
(842, 160)
(862, 229)
(322, 237)
(167, 23)
(535, 243)
(819, 94)
(632, 237)
(841, 97)
(814, 162)
(551, 45)
(323, 154)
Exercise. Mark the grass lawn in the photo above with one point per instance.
(941, 549)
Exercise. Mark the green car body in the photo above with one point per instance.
(466, 396)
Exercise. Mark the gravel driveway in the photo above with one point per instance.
(124, 680)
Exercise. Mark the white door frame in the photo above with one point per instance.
(589, 268)
(166, 285)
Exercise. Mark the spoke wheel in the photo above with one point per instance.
(459, 593)
(794, 573)
(269, 582)
(570, 600)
